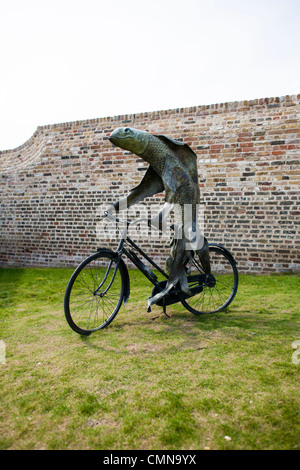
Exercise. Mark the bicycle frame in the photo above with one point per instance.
(176, 295)
(89, 307)
(132, 256)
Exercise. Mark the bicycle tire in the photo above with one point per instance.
(86, 308)
(220, 295)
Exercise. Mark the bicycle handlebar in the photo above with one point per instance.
(133, 222)
(127, 222)
(110, 216)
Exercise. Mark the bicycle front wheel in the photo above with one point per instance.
(95, 292)
(219, 289)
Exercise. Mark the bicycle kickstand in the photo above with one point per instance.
(164, 309)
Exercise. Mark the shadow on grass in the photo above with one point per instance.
(182, 331)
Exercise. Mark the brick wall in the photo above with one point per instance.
(54, 187)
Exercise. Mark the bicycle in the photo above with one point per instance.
(101, 283)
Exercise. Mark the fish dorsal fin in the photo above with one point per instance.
(175, 144)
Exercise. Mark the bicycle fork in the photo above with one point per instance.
(105, 277)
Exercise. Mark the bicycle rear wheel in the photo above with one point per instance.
(95, 292)
(219, 289)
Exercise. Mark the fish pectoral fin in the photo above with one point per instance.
(174, 175)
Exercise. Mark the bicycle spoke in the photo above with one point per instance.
(220, 288)
(96, 293)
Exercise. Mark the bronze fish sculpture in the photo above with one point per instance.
(173, 169)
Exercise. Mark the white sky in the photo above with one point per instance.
(67, 60)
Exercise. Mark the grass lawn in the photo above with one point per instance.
(147, 381)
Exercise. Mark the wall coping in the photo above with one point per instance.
(216, 108)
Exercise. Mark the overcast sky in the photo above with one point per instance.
(68, 60)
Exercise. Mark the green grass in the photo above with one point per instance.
(147, 381)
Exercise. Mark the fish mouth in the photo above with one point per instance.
(114, 138)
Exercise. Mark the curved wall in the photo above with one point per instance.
(55, 186)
